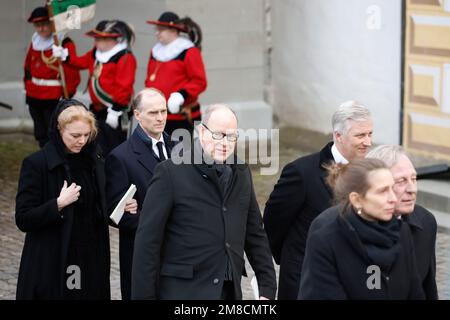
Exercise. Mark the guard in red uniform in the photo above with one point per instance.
(112, 69)
(176, 68)
(42, 79)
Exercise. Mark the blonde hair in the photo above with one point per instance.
(78, 113)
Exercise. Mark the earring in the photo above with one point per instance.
(359, 211)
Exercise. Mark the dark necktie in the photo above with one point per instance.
(159, 145)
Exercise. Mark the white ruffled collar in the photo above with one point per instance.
(104, 57)
(41, 44)
(170, 51)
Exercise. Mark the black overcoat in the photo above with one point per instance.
(187, 229)
(299, 196)
(132, 162)
(42, 267)
(336, 265)
(423, 227)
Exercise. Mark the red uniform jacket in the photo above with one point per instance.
(184, 74)
(112, 82)
(36, 68)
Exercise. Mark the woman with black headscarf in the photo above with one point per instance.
(359, 249)
(60, 205)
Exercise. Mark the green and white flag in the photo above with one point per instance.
(70, 14)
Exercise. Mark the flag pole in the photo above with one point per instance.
(56, 41)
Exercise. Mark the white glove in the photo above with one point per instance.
(175, 102)
(60, 52)
(112, 119)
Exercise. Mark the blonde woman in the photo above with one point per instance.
(60, 206)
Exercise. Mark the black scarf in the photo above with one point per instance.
(379, 238)
(224, 171)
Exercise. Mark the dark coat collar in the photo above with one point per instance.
(413, 219)
(325, 158)
(208, 171)
(54, 158)
(142, 150)
(138, 144)
(325, 155)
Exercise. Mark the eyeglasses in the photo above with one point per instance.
(231, 137)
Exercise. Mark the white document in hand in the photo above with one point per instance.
(120, 208)
(254, 284)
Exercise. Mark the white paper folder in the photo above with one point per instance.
(255, 289)
(117, 214)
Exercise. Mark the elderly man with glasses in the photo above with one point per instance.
(198, 219)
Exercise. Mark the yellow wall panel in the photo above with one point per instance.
(432, 135)
(426, 123)
(433, 37)
(423, 86)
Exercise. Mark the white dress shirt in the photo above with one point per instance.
(338, 157)
(155, 148)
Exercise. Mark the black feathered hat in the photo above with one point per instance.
(39, 14)
(170, 20)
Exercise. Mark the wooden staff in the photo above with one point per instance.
(56, 41)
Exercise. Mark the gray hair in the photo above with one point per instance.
(136, 104)
(390, 154)
(211, 109)
(349, 110)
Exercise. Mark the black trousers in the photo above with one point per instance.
(41, 113)
(108, 138)
(228, 291)
(289, 280)
(126, 246)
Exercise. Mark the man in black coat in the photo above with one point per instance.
(301, 193)
(199, 216)
(133, 162)
(421, 222)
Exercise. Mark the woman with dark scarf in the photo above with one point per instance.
(60, 205)
(358, 249)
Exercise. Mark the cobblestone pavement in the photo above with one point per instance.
(11, 239)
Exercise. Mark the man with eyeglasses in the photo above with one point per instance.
(198, 219)
(133, 162)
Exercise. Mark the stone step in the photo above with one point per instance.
(442, 218)
(435, 196)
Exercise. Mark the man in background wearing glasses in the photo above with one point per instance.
(197, 220)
